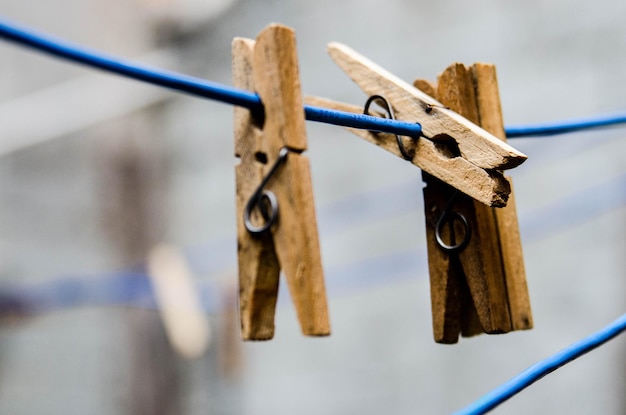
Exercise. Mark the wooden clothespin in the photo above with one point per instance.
(478, 281)
(476, 268)
(452, 148)
(276, 224)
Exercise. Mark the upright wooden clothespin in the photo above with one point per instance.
(476, 268)
(276, 224)
(478, 282)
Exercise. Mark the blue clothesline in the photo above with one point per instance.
(543, 368)
(191, 85)
(234, 96)
(564, 127)
(230, 95)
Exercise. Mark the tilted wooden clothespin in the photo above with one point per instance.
(276, 224)
(452, 148)
(476, 268)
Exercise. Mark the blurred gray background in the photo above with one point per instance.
(96, 170)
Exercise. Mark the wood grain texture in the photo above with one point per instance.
(482, 259)
(450, 295)
(483, 289)
(259, 269)
(487, 186)
(292, 244)
(410, 104)
(490, 113)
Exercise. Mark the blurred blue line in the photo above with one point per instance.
(573, 209)
(370, 206)
(133, 288)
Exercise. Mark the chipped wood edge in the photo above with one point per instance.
(488, 187)
(411, 105)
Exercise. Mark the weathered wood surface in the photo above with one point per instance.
(489, 187)
(475, 144)
(270, 67)
(453, 149)
(490, 112)
(483, 288)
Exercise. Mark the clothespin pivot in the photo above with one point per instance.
(479, 286)
(273, 171)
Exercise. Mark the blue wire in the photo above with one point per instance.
(563, 127)
(194, 86)
(230, 95)
(543, 368)
(252, 101)
(179, 82)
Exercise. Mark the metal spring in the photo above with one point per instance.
(261, 198)
(382, 101)
(448, 216)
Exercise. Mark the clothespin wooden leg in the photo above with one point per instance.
(259, 269)
(496, 298)
(490, 112)
(270, 67)
(453, 310)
